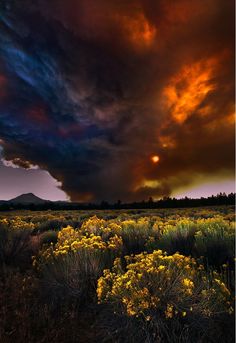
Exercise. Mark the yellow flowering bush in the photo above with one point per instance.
(67, 235)
(93, 225)
(70, 240)
(4, 221)
(17, 223)
(114, 227)
(158, 227)
(216, 224)
(89, 242)
(154, 285)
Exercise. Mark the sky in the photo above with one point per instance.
(113, 99)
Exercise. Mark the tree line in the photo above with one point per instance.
(166, 202)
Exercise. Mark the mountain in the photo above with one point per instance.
(28, 198)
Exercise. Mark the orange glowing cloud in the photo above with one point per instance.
(167, 141)
(187, 90)
(227, 121)
(137, 30)
(184, 10)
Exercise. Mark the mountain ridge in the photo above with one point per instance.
(27, 198)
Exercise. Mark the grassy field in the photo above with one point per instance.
(117, 276)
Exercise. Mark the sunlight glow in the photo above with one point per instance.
(155, 159)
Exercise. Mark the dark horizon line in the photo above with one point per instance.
(166, 202)
(119, 200)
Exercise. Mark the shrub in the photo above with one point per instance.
(48, 237)
(134, 235)
(165, 292)
(178, 238)
(46, 225)
(15, 247)
(215, 240)
(93, 225)
(71, 240)
(73, 276)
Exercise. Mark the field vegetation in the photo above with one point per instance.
(112, 276)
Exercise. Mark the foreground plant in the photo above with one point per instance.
(15, 247)
(215, 240)
(162, 291)
(73, 276)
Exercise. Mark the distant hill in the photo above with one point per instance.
(28, 198)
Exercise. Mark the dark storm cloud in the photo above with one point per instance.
(93, 89)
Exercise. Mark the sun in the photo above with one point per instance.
(155, 158)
